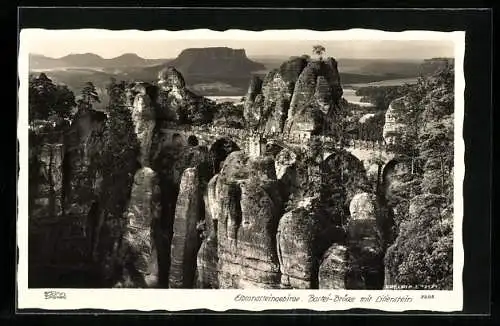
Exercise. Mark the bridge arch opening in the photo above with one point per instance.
(342, 176)
(220, 150)
(394, 172)
(193, 141)
(177, 140)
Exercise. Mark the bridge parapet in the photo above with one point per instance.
(366, 144)
(292, 139)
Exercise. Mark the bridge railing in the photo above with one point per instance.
(368, 145)
(209, 129)
(293, 138)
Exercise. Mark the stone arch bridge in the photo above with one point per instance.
(374, 155)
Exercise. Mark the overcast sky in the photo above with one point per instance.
(168, 48)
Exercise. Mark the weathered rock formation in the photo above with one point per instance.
(186, 238)
(256, 238)
(394, 128)
(143, 116)
(333, 268)
(342, 173)
(59, 241)
(170, 164)
(47, 165)
(177, 103)
(81, 181)
(286, 172)
(267, 102)
(284, 160)
(253, 106)
(302, 96)
(138, 251)
(250, 208)
(365, 269)
(208, 256)
(44, 205)
(315, 97)
(304, 234)
(396, 180)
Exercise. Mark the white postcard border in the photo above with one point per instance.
(222, 300)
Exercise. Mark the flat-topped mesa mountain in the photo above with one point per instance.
(219, 61)
(300, 96)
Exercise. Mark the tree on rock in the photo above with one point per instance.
(88, 97)
(319, 50)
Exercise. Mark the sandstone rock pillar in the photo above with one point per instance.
(295, 240)
(186, 239)
(48, 201)
(208, 256)
(364, 244)
(333, 269)
(143, 117)
(138, 251)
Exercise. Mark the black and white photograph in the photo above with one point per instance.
(252, 170)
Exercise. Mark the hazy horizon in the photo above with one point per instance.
(166, 49)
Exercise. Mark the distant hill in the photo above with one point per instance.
(429, 66)
(213, 71)
(377, 69)
(90, 60)
(207, 68)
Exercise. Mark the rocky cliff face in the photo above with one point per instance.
(208, 255)
(298, 97)
(253, 102)
(45, 204)
(315, 97)
(365, 264)
(60, 238)
(394, 128)
(248, 214)
(82, 182)
(138, 249)
(47, 168)
(177, 103)
(304, 234)
(268, 101)
(143, 116)
(171, 162)
(333, 268)
(186, 238)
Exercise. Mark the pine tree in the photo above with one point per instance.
(88, 97)
(48, 100)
